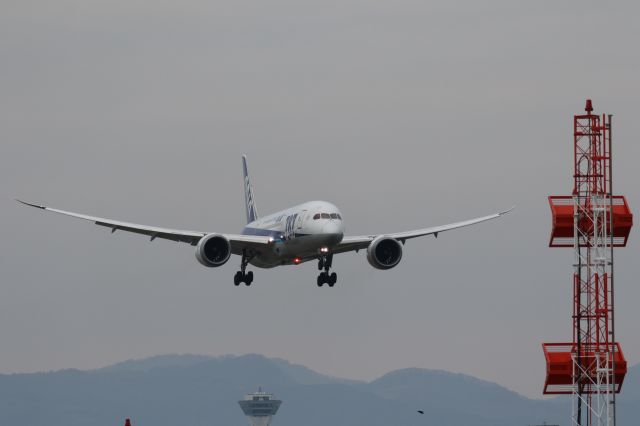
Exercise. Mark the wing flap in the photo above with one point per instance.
(238, 242)
(435, 230)
(154, 232)
(173, 236)
(362, 241)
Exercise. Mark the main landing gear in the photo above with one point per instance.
(324, 262)
(242, 276)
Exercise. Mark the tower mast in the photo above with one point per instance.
(592, 221)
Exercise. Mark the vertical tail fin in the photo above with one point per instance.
(249, 201)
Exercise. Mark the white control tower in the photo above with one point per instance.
(259, 407)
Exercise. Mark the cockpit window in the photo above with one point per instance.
(327, 216)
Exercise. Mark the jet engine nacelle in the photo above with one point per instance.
(384, 252)
(213, 250)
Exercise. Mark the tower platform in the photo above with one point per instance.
(260, 407)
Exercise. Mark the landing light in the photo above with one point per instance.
(324, 250)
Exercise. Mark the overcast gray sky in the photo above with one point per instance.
(405, 114)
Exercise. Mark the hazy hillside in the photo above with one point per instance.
(628, 401)
(631, 386)
(198, 390)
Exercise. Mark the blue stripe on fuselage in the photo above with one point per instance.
(276, 235)
(262, 232)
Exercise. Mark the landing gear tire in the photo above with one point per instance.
(326, 278)
(332, 279)
(239, 277)
(324, 262)
(242, 276)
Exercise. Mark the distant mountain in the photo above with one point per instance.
(179, 390)
(483, 402)
(307, 376)
(298, 373)
(159, 361)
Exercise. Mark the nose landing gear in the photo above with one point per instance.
(324, 262)
(242, 276)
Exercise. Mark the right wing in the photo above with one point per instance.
(238, 242)
(363, 241)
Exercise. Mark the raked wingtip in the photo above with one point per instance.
(30, 204)
(506, 211)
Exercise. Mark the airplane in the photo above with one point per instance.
(312, 231)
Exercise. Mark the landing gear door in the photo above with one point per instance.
(302, 218)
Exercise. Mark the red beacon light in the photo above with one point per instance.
(297, 260)
(588, 106)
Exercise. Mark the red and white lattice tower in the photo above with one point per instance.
(592, 221)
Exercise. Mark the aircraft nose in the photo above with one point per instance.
(334, 230)
(332, 227)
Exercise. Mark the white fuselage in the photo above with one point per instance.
(299, 233)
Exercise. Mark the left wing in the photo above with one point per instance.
(363, 241)
(238, 242)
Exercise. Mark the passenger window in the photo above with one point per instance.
(326, 216)
(334, 215)
(316, 216)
